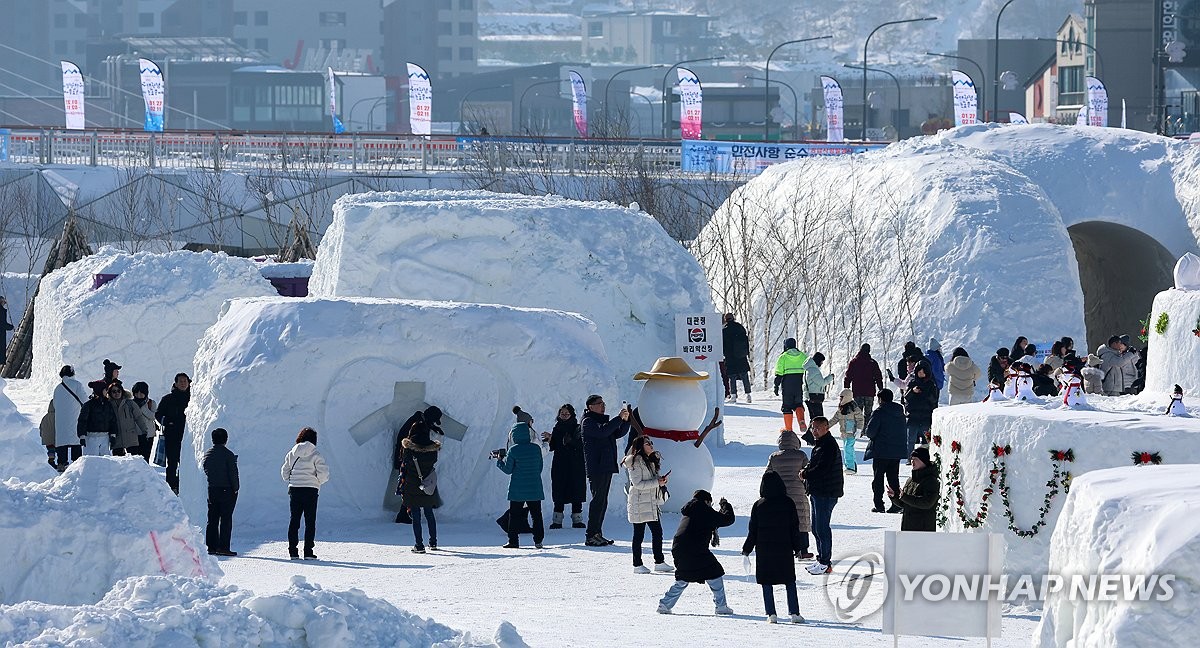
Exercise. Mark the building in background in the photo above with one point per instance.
(312, 34)
(647, 37)
(1022, 57)
(439, 35)
(1123, 32)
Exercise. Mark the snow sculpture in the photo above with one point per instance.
(672, 406)
(1187, 272)
(1177, 408)
(995, 394)
(1020, 384)
(270, 366)
(1072, 390)
(1171, 357)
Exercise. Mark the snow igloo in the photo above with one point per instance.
(270, 366)
(615, 266)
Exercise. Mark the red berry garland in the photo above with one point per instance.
(1060, 479)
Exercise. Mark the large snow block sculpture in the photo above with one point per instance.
(271, 366)
(147, 319)
(615, 266)
(1136, 521)
(69, 539)
(1173, 357)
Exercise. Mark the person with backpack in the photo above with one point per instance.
(568, 474)
(220, 468)
(523, 463)
(644, 497)
(851, 421)
(65, 405)
(789, 374)
(772, 533)
(418, 474)
(694, 561)
(305, 472)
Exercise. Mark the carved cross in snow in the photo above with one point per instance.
(407, 398)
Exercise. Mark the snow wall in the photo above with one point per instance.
(69, 539)
(615, 266)
(1104, 435)
(148, 319)
(1137, 520)
(22, 454)
(1173, 357)
(271, 366)
(970, 236)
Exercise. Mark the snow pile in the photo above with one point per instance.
(1103, 436)
(276, 270)
(69, 539)
(1171, 358)
(22, 454)
(147, 319)
(1136, 521)
(271, 366)
(529, 24)
(178, 611)
(615, 266)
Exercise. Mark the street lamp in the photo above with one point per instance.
(462, 102)
(982, 79)
(795, 105)
(866, 69)
(650, 104)
(521, 103)
(608, 86)
(666, 107)
(866, 44)
(350, 119)
(767, 85)
(996, 65)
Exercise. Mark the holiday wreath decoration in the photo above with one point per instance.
(1160, 326)
(1196, 331)
(1060, 481)
(1146, 458)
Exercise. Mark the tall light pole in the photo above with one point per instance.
(665, 106)
(866, 69)
(795, 105)
(608, 86)
(462, 102)
(767, 85)
(866, 44)
(650, 104)
(521, 103)
(982, 79)
(996, 65)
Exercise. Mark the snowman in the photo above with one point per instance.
(1072, 389)
(995, 394)
(1176, 407)
(1020, 384)
(671, 408)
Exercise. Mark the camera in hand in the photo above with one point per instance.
(499, 454)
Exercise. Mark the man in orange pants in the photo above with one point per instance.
(789, 374)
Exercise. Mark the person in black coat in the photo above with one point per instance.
(694, 561)
(825, 481)
(737, 356)
(888, 433)
(600, 434)
(97, 425)
(920, 495)
(220, 467)
(774, 531)
(568, 476)
(6, 326)
(418, 460)
(920, 398)
(172, 415)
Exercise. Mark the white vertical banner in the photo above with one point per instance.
(72, 83)
(833, 109)
(1123, 114)
(1097, 99)
(1017, 118)
(420, 101)
(337, 123)
(1081, 119)
(966, 102)
(579, 103)
(691, 102)
(154, 92)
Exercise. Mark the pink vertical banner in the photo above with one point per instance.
(691, 100)
(579, 103)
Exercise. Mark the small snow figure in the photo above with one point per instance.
(1072, 390)
(1020, 383)
(995, 394)
(1176, 407)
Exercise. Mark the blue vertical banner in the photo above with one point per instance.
(154, 94)
(338, 128)
(4, 134)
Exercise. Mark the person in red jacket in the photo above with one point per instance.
(865, 379)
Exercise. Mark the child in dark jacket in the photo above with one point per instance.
(774, 531)
(694, 561)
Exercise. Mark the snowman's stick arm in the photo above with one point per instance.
(635, 422)
(712, 425)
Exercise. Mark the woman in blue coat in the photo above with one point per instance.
(524, 463)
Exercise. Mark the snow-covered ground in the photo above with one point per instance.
(566, 594)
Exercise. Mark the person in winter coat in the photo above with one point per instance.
(919, 497)
(1058, 351)
(1043, 384)
(145, 408)
(937, 363)
(523, 462)
(46, 432)
(788, 462)
(305, 471)
(1018, 349)
(97, 426)
(220, 467)
(600, 436)
(823, 476)
(789, 374)
(1030, 358)
(644, 499)
(1119, 365)
(888, 433)
(921, 399)
(67, 404)
(129, 422)
(1093, 375)
(172, 415)
(815, 384)
(865, 379)
(852, 422)
(5, 327)
(772, 532)
(737, 356)
(998, 368)
(694, 561)
(912, 353)
(962, 374)
(568, 476)
(112, 371)
(419, 455)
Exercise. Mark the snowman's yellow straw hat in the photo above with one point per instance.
(671, 369)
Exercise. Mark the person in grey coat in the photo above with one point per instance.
(1119, 364)
(220, 467)
(788, 462)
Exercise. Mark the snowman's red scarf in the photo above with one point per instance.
(673, 435)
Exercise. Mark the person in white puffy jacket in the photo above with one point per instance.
(305, 471)
(644, 499)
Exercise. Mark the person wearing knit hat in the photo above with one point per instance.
(111, 371)
(97, 422)
(937, 363)
(919, 497)
(850, 416)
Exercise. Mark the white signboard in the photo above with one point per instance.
(918, 564)
(698, 338)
